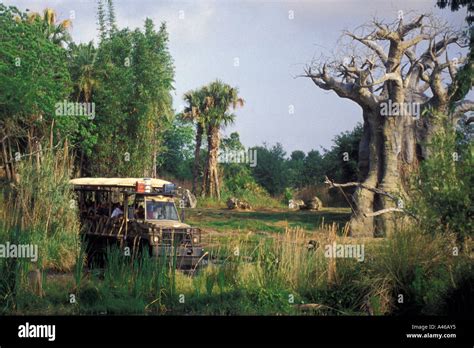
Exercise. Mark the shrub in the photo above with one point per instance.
(443, 189)
(45, 209)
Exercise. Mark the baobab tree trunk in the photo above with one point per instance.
(369, 153)
(387, 159)
(197, 157)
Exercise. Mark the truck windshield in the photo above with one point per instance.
(161, 211)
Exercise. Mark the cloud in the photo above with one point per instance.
(186, 21)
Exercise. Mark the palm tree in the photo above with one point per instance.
(220, 97)
(57, 33)
(194, 111)
(83, 70)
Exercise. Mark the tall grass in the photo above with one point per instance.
(276, 275)
(42, 205)
(37, 209)
(416, 270)
(128, 284)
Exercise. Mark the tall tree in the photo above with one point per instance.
(392, 72)
(194, 111)
(33, 78)
(271, 172)
(54, 30)
(220, 98)
(84, 74)
(135, 74)
(83, 71)
(101, 20)
(296, 168)
(111, 17)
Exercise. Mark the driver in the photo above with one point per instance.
(150, 214)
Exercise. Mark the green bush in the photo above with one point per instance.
(443, 189)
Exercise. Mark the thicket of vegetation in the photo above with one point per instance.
(411, 272)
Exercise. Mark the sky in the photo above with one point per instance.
(261, 47)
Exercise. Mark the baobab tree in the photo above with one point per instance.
(403, 76)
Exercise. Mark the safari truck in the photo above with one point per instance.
(137, 213)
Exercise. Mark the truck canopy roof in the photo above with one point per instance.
(116, 182)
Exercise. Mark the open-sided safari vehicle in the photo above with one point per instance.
(139, 214)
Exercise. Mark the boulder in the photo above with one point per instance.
(232, 203)
(235, 203)
(190, 200)
(295, 204)
(314, 204)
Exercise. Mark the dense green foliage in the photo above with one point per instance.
(33, 78)
(133, 101)
(177, 156)
(276, 172)
(443, 193)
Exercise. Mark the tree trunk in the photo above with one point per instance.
(387, 159)
(211, 175)
(369, 152)
(197, 157)
(12, 163)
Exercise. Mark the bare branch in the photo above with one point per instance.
(345, 90)
(383, 211)
(390, 76)
(462, 107)
(375, 190)
(367, 41)
(361, 185)
(417, 23)
(417, 39)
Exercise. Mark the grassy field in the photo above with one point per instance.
(260, 265)
(276, 220)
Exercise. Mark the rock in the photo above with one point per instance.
(313, 245)
(190, 200)
(234, 203)
(295, 204)
(244, 205)
(299, 203)
(314, 204)
(292, 205)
